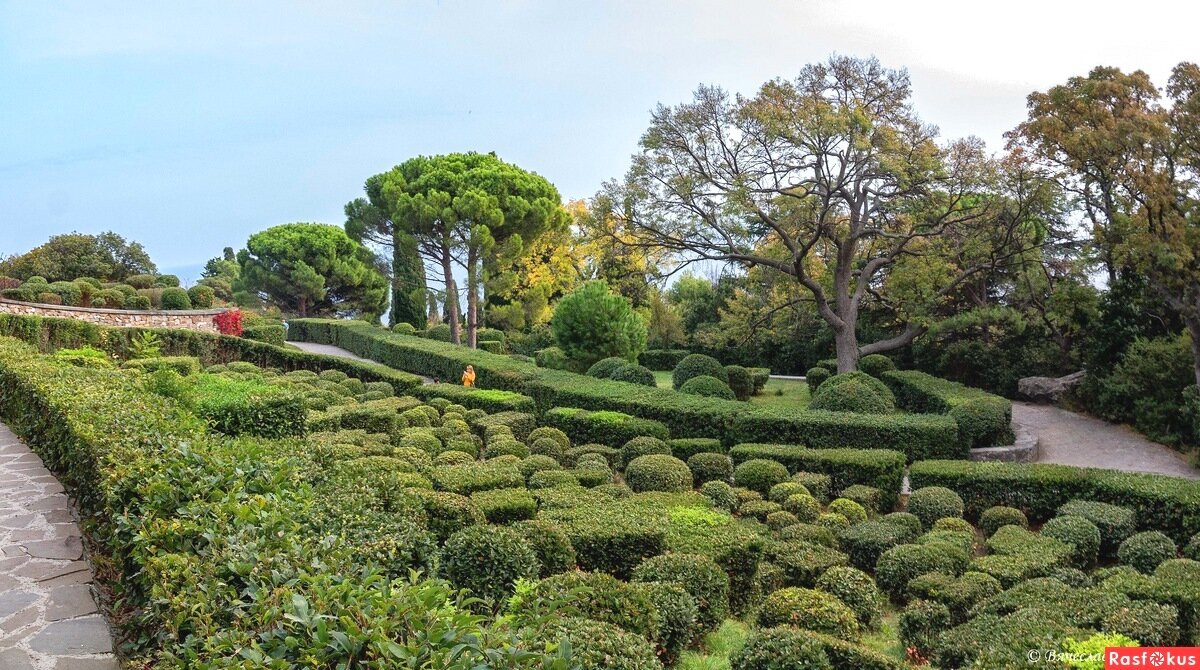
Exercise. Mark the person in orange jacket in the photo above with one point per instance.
(468, 378)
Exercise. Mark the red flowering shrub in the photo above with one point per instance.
(229, 322)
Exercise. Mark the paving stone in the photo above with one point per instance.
(109, 663)
(53, 501)
(81, 577)
(12, 602)
(16, 520)
(20, 620)
(39, 570)
(60, 516)
(14, 551)
(25, 535)
(8, 583)
(70, 548)
(15, 659)
(68, 602)
(74, 637)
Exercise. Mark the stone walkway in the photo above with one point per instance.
(1074, 439)
(330, 350)
(48, 614)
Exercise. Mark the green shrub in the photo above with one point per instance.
(805, 507)
(904, 520)
(758, 379)
(878, 468)
(551, 545)
(697, 365)
(1152, 624)
(856, 590)
(921, 623)
(592, 322)
(545, 479)
(608, 428)
(84, 357)
(643, 446)
(1145, 551)
(740, 381)
(201, 296)
(657, 472)
(472, 477)
(1082, 535)
(662, 359)
(869, 497)
(677, 614)
(833, 521)
(404, 328)
(758, 509)
(879, 388)
(802, 564)
(759, 474)
(547, 446)
(506, 447)
(866, 542)
(850, 396)
(614, 537)
(1192, 549)
(780, 648)
(853, 511)
(780, 519)
(994, 517)
(611, 455)
(808, 533)
(550, 433)
(706, 467)
(68, 293)
(903, 563)
(605, 367)
(243, 407)
(1018, 555)
(958, 594)
(934, 502)
(269, 333)
(784, 490)
(820, 485)
(1116, 524)
(957, 525)
(449, 513)
(537, 463)
(700, 576)
(875, 364)
(597, 645)
(502, 506)
(815, 377)
(551, 358)
(175, 298)
(720, 493)
(983, 422)
(706, 386)
(809, 609)
(504, 552)
(685, 448)
(184, 365)
(635, 374)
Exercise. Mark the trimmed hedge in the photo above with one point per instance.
(1168, 504)
(878, 468)
(697, 365)
(613, 429)
(662, 359)
(983, 419)
(918, 436)
(488, 400)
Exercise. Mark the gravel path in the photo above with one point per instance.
(330, 350)
(1074, 439)
(48, 614)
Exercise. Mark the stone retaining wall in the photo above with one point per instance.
(190, 319)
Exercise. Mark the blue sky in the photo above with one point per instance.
(190, 125)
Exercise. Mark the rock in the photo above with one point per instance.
(1048, 390)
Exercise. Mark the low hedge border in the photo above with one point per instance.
(612, 429)
(882, 469)
(1168, 504)
(983, 419)
(918, 436)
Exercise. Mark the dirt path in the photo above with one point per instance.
(1074, 439)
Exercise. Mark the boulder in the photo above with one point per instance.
(1048, 390)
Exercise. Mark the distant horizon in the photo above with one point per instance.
(189, 127)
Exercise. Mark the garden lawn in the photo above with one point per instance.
(791, 393)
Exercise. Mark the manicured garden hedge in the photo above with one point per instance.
(613, 429)
(879, 468)
(662, 359)
(984, 419)
(488, 400)
(920, 437)
(1168, 504)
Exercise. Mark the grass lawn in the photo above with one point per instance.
(777, 393)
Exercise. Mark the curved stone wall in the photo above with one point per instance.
(190, 319)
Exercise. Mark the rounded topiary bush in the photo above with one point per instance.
(700, 576)
(709, 387)
(853, 511)
(551, 545)
(546, 446)
(805, 507)
(1192, 549)
(833, 521)
(906, 520)
(877, 386)
(658, 472)
(1152, 624)
(934, 502)
(903, 563)
(1145, 551)
(851, 396)
(697, 365)
(175, 298)
(201, 296)
(993, 518)
(784, 490)
(856, 590)
(740, 381)
(815, 377)
(869, 497)
(1115, 523)
(983, 422)
(404, 328)
(875, 364)
(782, 648)
(635, 374)
(596, 645)
(921, 623)
(759, 474)
(758, 509)
(551, 433)
(487, 560)
(449, 513)
(603, 368)
(809, 609)
(818, 484)
(537, 463)
(721, 494)
(809, 534)
(643, 446)
(677, 614)
(1080, 534)
(440, 332)
(710, 468)
(953, 524)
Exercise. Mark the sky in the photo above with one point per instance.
(188, 126)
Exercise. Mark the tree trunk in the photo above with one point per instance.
(846, 341)
(1193, 326)
(451, 295)
(303, 307)
(472, 295)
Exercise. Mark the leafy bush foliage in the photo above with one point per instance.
(708, 387)
(934, 502)
(1145, 551)
(635, 374)
(815, 377)
(994, 517)
(700, 576)
(592, 323)
(856, 590)
(1082, 535)
(740, 381)
(697, 365)
(759, 474)
(850, 396)
(488, 560)
(809, 609)
(658, 472)
(875, 364)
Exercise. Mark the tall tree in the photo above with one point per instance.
(830, 179)
(106, 256)
(1134, 161)
(459, 207)
(369, 221)
(313, 269)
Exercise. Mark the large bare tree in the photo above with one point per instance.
(830, 179)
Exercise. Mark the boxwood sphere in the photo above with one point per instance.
(634, 374)
(596, 645)
(551, 433)
(874, 384)
(709, 387)
(784, 490)
(643, 446)
(658, 472)
(554, 551)
(721, 494)
(934, 502)
(875, 364)
(809, 609)
(853, 511)
(1080, 534)
(805, 507)
(603, 368)
(710, 468)
(851, 396)
(487, 560)
(696, 365)
(759, 474)
(993, 518)
(782, 648)
(815, 377)
(699, 575)
(740, 381)
(547, 446)
(1145, 551)
(856, 590)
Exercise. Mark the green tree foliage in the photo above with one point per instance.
(106, 256)
(369, 221)
(594, 323)
(312, 269)
(221, 273)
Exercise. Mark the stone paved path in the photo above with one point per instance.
(330, 350)
(48, 615)
(1074, 439)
